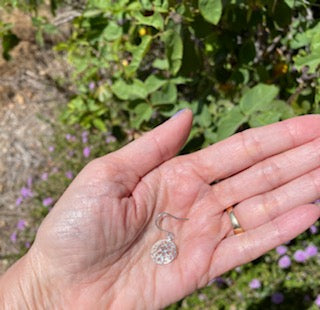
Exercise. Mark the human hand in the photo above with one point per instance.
(93, 249)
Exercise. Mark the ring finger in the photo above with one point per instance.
(263, 208)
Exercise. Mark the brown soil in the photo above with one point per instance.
(28, 99)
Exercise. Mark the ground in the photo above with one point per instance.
(29, 99)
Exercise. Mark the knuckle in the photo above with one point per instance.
(272, 173)
(251, 144)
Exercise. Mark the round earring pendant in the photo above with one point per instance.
(163, 252)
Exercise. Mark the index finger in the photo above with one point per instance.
(246, 148)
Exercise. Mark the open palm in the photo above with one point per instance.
(95, 243)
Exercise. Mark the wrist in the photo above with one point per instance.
(24, 287)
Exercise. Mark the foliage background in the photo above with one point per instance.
(236, 64)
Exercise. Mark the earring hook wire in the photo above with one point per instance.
(160, 217)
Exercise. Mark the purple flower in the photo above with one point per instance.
(281, 249)
(70, 137)
(277, 298)
(51, 148)
(313, 229)
(27, 244)
(300, 256)
(254, 284)
(284, 262)
(21, 225)
(311, 250)
(317, 301)
(19, 201)
(13, 237)
(110, 139)
(44, 176)
(84, 136)
(26, 192)
(69, 175)
(92, 85)
(47, 201)
(86, 151)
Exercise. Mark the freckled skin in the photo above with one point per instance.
(93, 249)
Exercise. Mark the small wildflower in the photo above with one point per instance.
(70, 137)
(47, 201)
(110, 139)
(277, 298)
(311, 250)
(26, 192)
(44, 176)
(21, 225)
(142, 32)
(284, 262)
(13, 237)
(19, 201)
(317, 301)
(86, 151)
(281, 249)
(300, 256)
(27, 244)
(125, 62)
(92, 85)
(69, 175)
(313, 229)
(255, 284)
(51, 148)
(84, 137)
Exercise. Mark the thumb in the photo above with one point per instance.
(158, 145)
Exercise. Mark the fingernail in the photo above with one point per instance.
(178, 113)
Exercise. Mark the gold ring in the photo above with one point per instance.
(237, 229)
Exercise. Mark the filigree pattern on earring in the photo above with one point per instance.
(164, 251)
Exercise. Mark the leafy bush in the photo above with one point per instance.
(235, 64)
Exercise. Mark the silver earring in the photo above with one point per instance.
(164, 251)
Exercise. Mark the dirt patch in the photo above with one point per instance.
(28, 98)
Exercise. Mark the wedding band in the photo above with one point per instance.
(237, 229)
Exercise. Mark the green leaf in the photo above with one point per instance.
(99, 124)
(92, 13)
(257, 98)
(124, 91)
(9, 41)
(112, 32)
(137, 55)
(211, 10)
(162, 64)
(264, 118)
(143, 113)
(204, 119)
(153, 83)
(230, 122)
(168, 94)
(283, 108)
(174, 50)
(304, 38)
(312, 61)
(154, 20)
